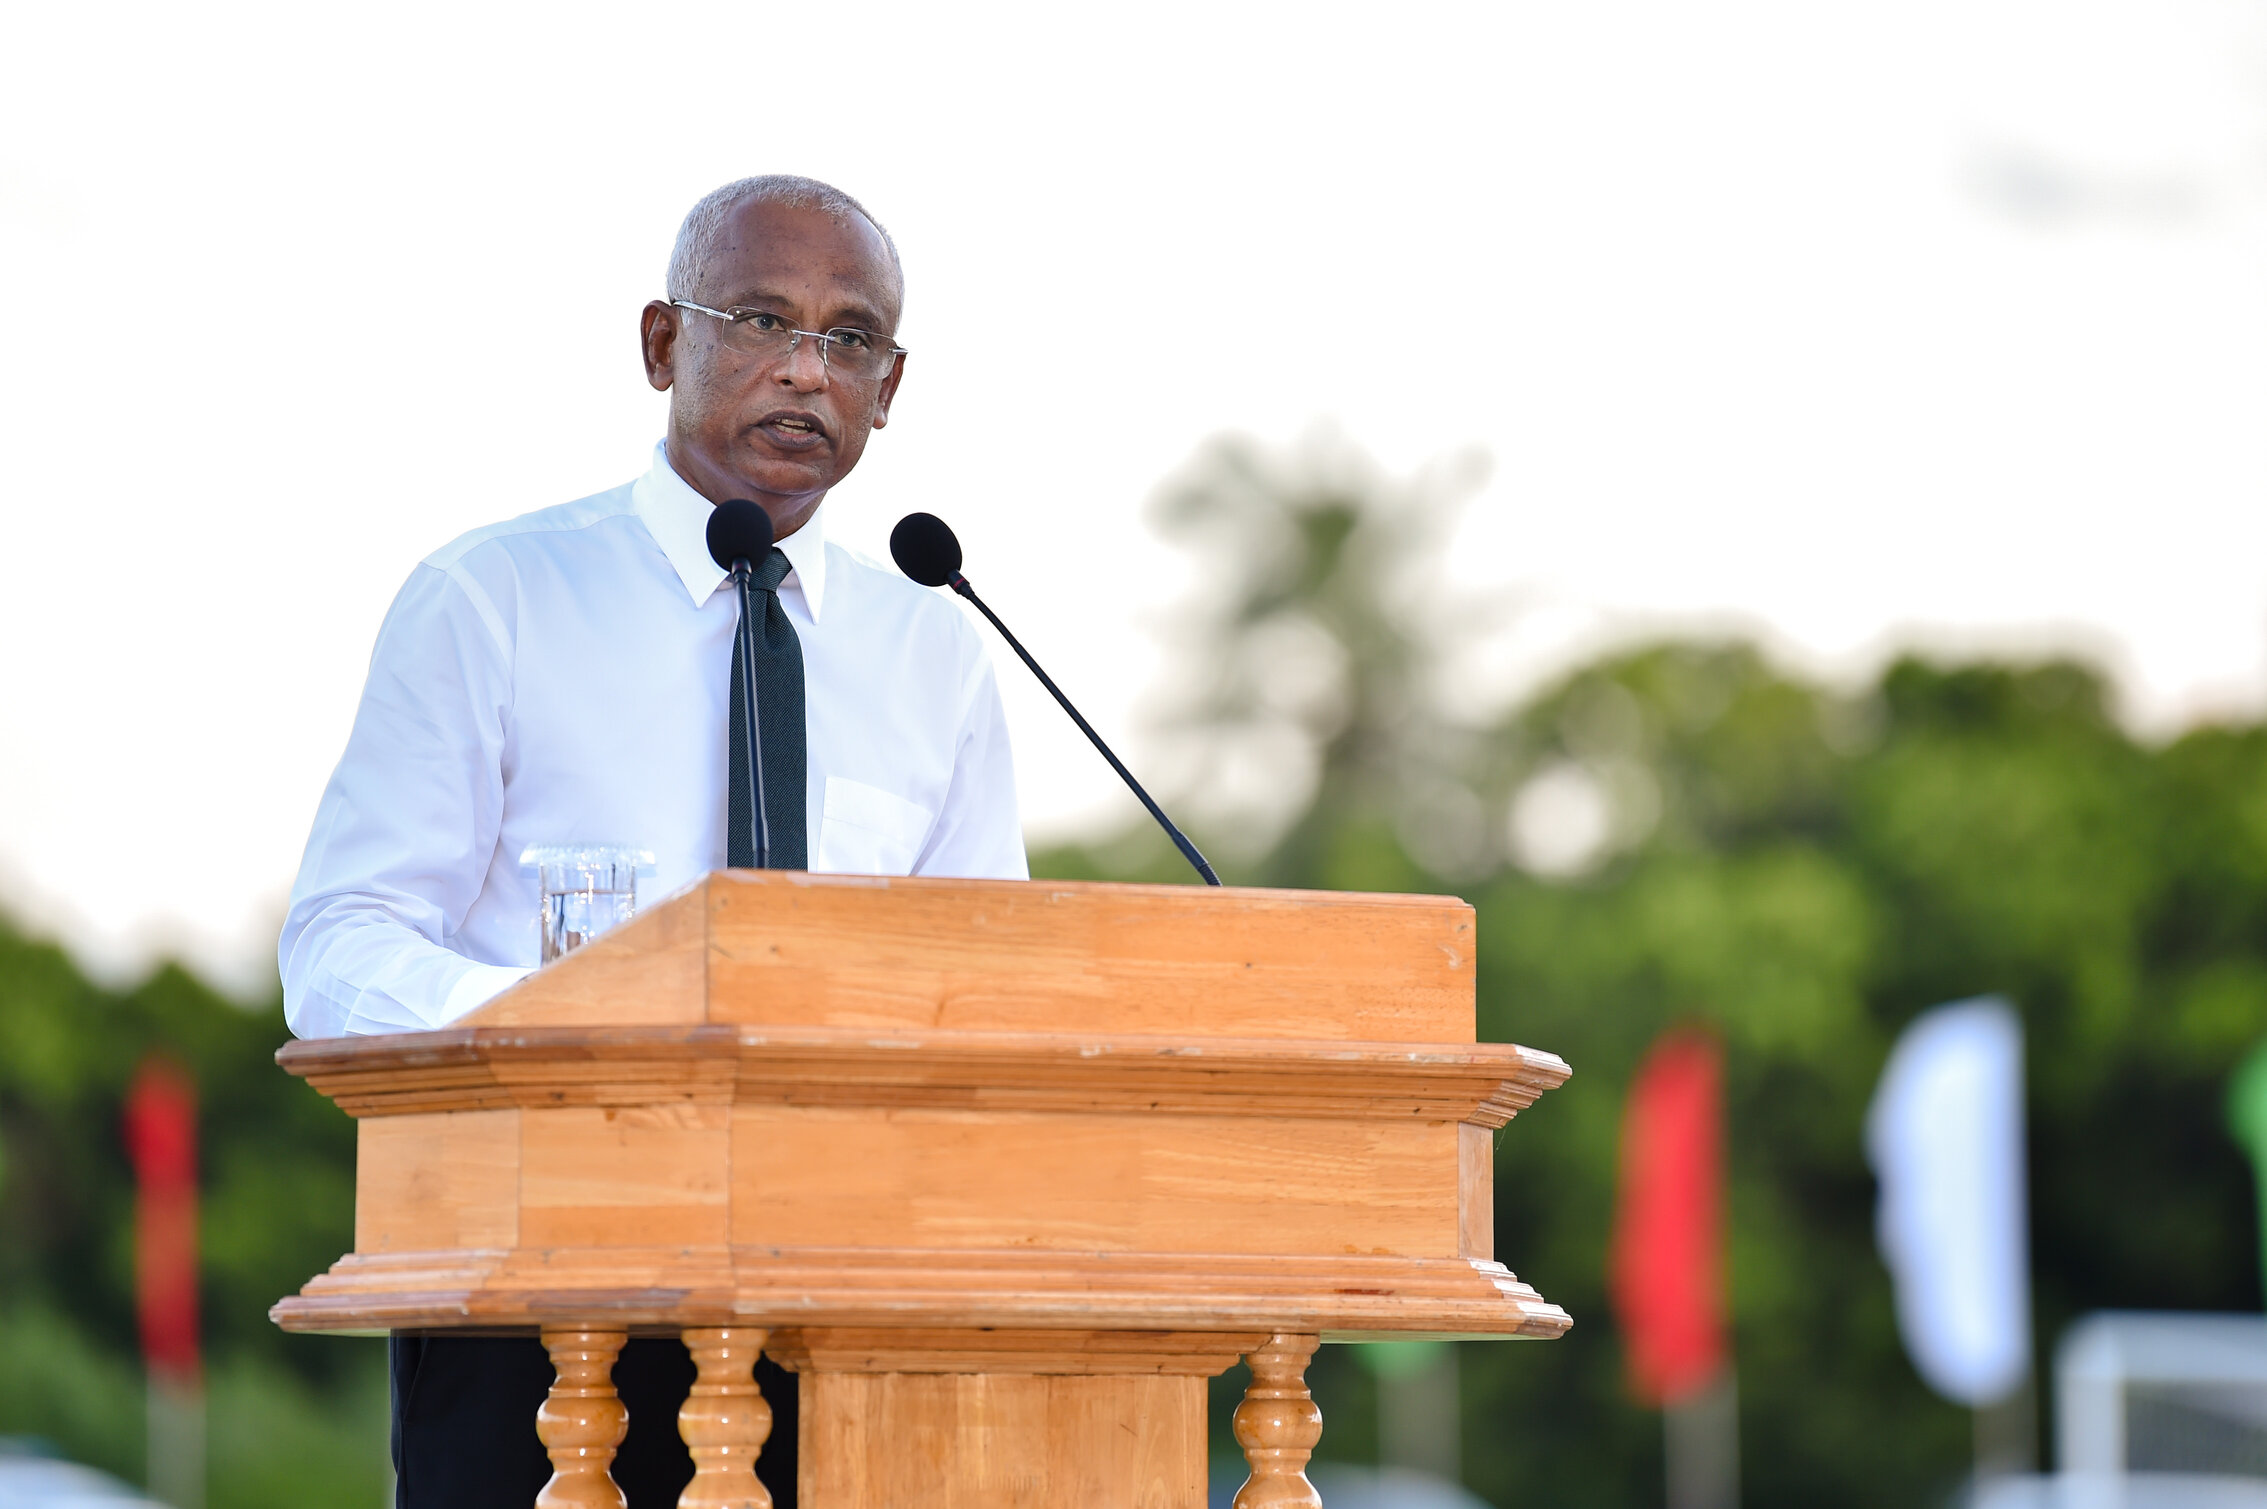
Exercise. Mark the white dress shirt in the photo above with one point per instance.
(563, 678)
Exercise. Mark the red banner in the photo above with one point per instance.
(161, 1138)
(1666, 1272)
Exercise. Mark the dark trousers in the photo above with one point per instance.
(464, 1423)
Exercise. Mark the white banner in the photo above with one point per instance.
(1945, 1137)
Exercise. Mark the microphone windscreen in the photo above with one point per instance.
(738, 531)
(925, 549)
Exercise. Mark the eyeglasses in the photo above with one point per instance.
(844, 350)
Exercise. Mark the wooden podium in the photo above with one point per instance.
(1003, 1170)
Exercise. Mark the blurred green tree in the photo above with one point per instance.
(277, 1176)
(1683, 831)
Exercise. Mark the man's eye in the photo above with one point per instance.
(851, 340)
(763, 322)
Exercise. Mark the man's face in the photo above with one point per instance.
(779, 430)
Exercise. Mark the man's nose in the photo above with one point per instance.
(805, 369)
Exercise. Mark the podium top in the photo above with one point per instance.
(786, 948)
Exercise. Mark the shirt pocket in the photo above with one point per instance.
(864, 830)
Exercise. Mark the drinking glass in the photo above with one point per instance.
(587, 889)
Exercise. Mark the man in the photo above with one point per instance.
(565, 677)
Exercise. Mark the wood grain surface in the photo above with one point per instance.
(593, 1176)
(782, 947)
(650, 971)
(932, 1349)
(487, 1068)
(655, 1290)
(430, 1182)
(993, 1441)
(1127, 1182)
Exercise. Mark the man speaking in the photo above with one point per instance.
(565, 677)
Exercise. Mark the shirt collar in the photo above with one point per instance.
(677, 518)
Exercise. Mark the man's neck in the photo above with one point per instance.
(789, 513)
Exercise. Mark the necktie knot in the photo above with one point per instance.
(769, 572)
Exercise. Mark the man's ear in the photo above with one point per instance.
(657, 340)
(889, 392)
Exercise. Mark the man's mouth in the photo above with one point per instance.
(793, 429)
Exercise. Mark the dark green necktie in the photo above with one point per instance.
(779, 715)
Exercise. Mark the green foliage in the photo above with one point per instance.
(277, 1173)
(1805, 871)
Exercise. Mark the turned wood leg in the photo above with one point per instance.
(582, 1421)
(725, 1421)
(1278, 1425)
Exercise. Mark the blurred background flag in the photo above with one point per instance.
(1945, 1137)
(161, 1139)
(1666, 1268)
(2247, 1120)
(1667, 1264)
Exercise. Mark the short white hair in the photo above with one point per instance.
(697, 237)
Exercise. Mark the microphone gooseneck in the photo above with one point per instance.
(927, 551)
(739, 535)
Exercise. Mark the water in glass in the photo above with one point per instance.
(587, 890)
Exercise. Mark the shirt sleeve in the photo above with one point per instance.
(979, 835)
(407, 827)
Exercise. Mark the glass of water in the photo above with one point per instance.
(587, 889)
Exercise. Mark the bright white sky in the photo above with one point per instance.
(1856, 324)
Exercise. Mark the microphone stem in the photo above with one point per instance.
(1188, 850)
(760, 821)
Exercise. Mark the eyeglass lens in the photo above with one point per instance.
(855, 353)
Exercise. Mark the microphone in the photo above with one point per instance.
(739, 535)
(926, 550)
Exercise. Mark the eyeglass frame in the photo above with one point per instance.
(739, 314)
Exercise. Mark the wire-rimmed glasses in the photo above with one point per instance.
(845, 350)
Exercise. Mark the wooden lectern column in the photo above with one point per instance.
(1278, 1426)
(582, 1421)
(725, 1421)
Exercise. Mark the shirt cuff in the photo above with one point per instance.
(477, 987)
